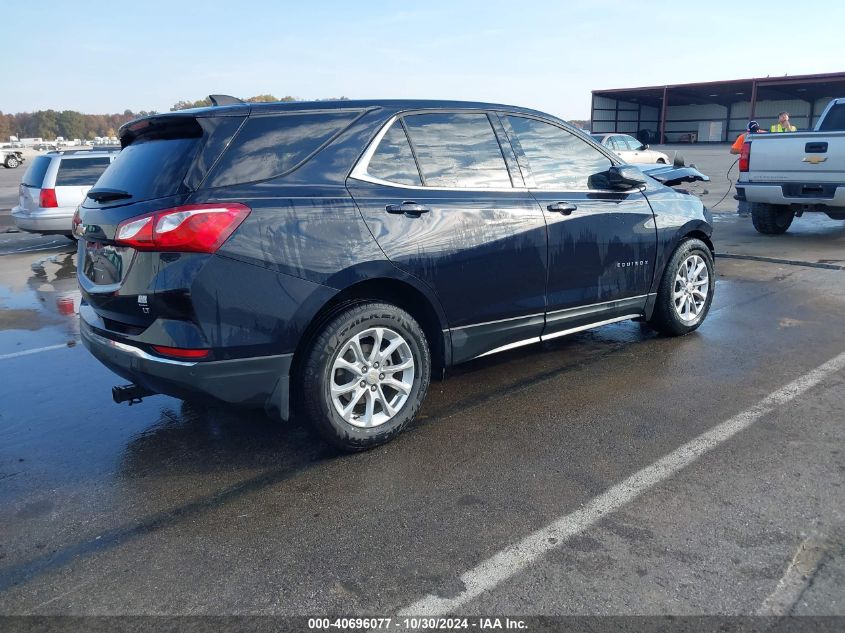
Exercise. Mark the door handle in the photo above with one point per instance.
(408, 206)
(564, 208)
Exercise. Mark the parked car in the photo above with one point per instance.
(785, 175)
(630, 149)
(54, 185)
(11, 159)
(338, 254)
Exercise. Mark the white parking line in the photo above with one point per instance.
(517, 557)
(37, 350)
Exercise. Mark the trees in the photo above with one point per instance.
(203, 103)
(45, 123)
(71, 124)
(5, 128)
(185, 105)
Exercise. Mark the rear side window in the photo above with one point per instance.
(149, 169)
(558, 159)
(34, 175)
(81, 172)
(835, 119)
(457, 150)
(269, 146)
(393, 159)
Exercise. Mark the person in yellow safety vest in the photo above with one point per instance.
(783, 124)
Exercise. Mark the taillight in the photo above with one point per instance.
(47, 199)
(745, 156)
(193, 228)
(181, 352)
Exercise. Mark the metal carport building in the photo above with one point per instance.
(715, 111)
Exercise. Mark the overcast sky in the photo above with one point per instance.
(100, 57)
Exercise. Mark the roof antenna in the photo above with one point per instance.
(223, 100)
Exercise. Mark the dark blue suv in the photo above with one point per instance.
(333, 256)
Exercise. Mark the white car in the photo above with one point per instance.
(630, 149)
(54, 185)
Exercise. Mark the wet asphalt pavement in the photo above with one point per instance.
(169, 508)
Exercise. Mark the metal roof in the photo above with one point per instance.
(805, 87)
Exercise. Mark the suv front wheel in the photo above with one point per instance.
(365, 375)
(686, 289)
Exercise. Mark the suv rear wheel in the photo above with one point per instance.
(771, 219)
(686, 290)
(365, 376)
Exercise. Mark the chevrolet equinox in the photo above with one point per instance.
(333, 256)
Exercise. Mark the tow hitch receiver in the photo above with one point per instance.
(131, 393)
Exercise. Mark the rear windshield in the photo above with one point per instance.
(269, 146)
(34, 175)
(81, 172)
(149, 169)
(835, 119)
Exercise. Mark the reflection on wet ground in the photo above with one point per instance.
(39, 300)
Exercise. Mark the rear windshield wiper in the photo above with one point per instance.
(107, 195)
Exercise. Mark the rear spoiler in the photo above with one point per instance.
(221, 105)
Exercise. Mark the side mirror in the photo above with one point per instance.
(645, 146)
(624, 177)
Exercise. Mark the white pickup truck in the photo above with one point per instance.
(785, 175)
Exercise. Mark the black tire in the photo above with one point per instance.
(660, 161)
(771, 219)
(12, 162)
(317, 374)
(666, 318)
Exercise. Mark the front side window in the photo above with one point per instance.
(458, 150)
(81, 172)
(618, 144)
(393, 159)
(633, 143)
(558, 159)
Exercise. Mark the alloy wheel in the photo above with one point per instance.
(690, 289)
(371, 377)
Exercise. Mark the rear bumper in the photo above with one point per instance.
(773, 193)
(57, 220)
(261, 381)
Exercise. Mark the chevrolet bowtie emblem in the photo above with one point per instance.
(814, 160)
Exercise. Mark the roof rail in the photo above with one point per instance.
(95, 148)
(222, 100)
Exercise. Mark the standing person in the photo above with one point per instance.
(752, 128)
(783, 124)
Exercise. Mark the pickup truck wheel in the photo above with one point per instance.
(686, 290)
(771, 219)
(365, 376)
(12, 162)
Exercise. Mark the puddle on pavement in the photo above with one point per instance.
(39, 302)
